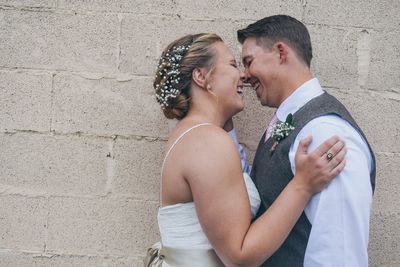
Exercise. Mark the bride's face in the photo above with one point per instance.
(226, 81)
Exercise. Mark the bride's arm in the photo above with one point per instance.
(213, 172)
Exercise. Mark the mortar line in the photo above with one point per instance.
(303, 12)
(52, 113)
(342, 27)
(120, 18)
(110, 167)
(28, 8)
(48, 196)
(148, 138)
(385, 153)
(46, 230)
(102, 75)
(55, 253)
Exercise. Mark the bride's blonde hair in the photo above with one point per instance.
(174, 73)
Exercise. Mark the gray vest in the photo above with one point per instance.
(271, 172)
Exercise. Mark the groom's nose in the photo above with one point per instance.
(243, 76)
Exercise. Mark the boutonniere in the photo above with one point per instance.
(282, 130)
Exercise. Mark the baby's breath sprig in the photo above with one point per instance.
(168, 70)
(282, 130)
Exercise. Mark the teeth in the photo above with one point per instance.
(256, 86)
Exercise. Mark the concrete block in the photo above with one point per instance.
(101, 226)
(384, 247)
(376, 114)
(387, 191)
(293, 8)
(26, 101)
(33, 164)
(384, 66)
(125, 262)
(38, 260)
(138, 168)
(59, 41)
(334, 55)
(29, 3)
(144, 38)
(107, 106)
(371, 14)
(22, 222)
(233, 10)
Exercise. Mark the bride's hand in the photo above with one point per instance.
(314, 171)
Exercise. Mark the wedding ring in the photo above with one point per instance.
(329, 156)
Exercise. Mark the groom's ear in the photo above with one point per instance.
(199, 77)
(283, 50)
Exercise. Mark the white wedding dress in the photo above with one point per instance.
(179, 225)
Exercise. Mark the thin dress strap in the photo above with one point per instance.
(170, 149)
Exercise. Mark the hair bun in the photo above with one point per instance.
(178, 109)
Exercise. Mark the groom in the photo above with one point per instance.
(333, 229)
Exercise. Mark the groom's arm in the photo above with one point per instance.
(243, 157)
(340, 214)
(228, 127)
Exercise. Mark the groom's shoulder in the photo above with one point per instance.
(326, 126)
(328, 121)
(321, 108)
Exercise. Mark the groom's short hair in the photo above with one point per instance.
(270, 30)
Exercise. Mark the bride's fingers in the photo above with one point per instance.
(338, 158)
(303, 145)
(327, 145)
(335, 171)
(333, 151)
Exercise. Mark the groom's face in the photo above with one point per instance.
(262, 71)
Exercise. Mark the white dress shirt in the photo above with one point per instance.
(243, 157)
(340, 213)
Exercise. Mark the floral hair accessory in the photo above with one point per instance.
(282, 130)
(168, 69)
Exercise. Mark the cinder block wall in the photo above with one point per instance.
(82, 137)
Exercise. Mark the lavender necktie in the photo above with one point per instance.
(271, 126)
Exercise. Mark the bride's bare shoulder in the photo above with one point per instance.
(201, 138)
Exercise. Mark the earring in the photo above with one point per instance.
(208, 87)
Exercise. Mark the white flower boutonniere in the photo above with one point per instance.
(282, 130)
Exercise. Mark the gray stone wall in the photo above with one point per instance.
(82, 136)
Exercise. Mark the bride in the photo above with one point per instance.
(207, 202)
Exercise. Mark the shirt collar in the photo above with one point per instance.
(299, 98)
